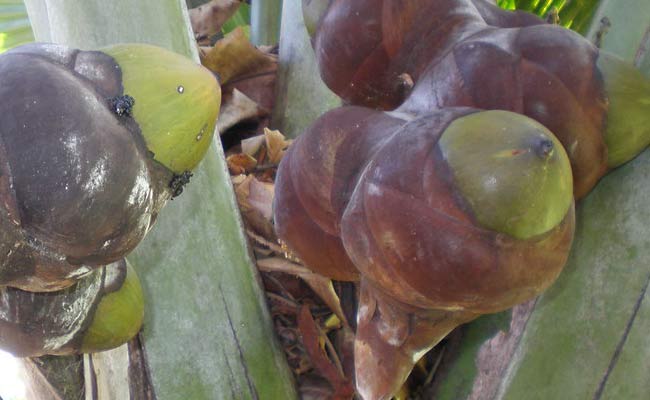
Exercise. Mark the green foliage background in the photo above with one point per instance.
(574, 14)
(14, 25)
(15, 28)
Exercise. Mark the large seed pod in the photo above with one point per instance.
(100, 312)
(370, 52)
(315, 181)
(369, 65)
(479, 217)
(443, 217)
(489, 190)
(91, 147)
(442, 53)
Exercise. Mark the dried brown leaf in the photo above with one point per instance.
(321, 285)
(255, 201)
(261, 198)
(235, 108)
(278, 264)
(344, 342)
(234, 56)
(208, 18)
(311, 339)
(312, 388)
(240, 163)
(238, 179)
(259, 85)
(263, 244)
(255, 79)
(252, 145)
(276, 145)
(280, 304)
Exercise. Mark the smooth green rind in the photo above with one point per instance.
(512, 171)
(118, 316)
(628, 116)
(301, 94)
(586, 338)
(195, 261)
(176, 116)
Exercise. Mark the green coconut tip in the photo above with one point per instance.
(176, 102)
(628, 116)
(118, 316)
(511, 170)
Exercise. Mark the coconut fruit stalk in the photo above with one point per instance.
(431, 54)
(101, 311)
(442, 218)
(92, 145)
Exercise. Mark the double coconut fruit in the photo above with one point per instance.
(92, 145)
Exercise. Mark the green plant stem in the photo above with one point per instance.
(265, 21)
(207, 331)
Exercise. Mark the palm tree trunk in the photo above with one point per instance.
(207, 332)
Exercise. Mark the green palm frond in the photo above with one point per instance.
(241, 18)
(15, 28)
(574, 14)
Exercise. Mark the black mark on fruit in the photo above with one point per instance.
(545, 148)
(122, 105)
(178, 182)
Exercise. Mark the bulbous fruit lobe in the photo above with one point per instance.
(102, 310)
(315, 180)
(78, 189)
(410, 227)
(628, 119)
(512, 171)
(549, 72)
(433, 239)
(118, 316)
(78, 186)
(386, 194)
(176, 102)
